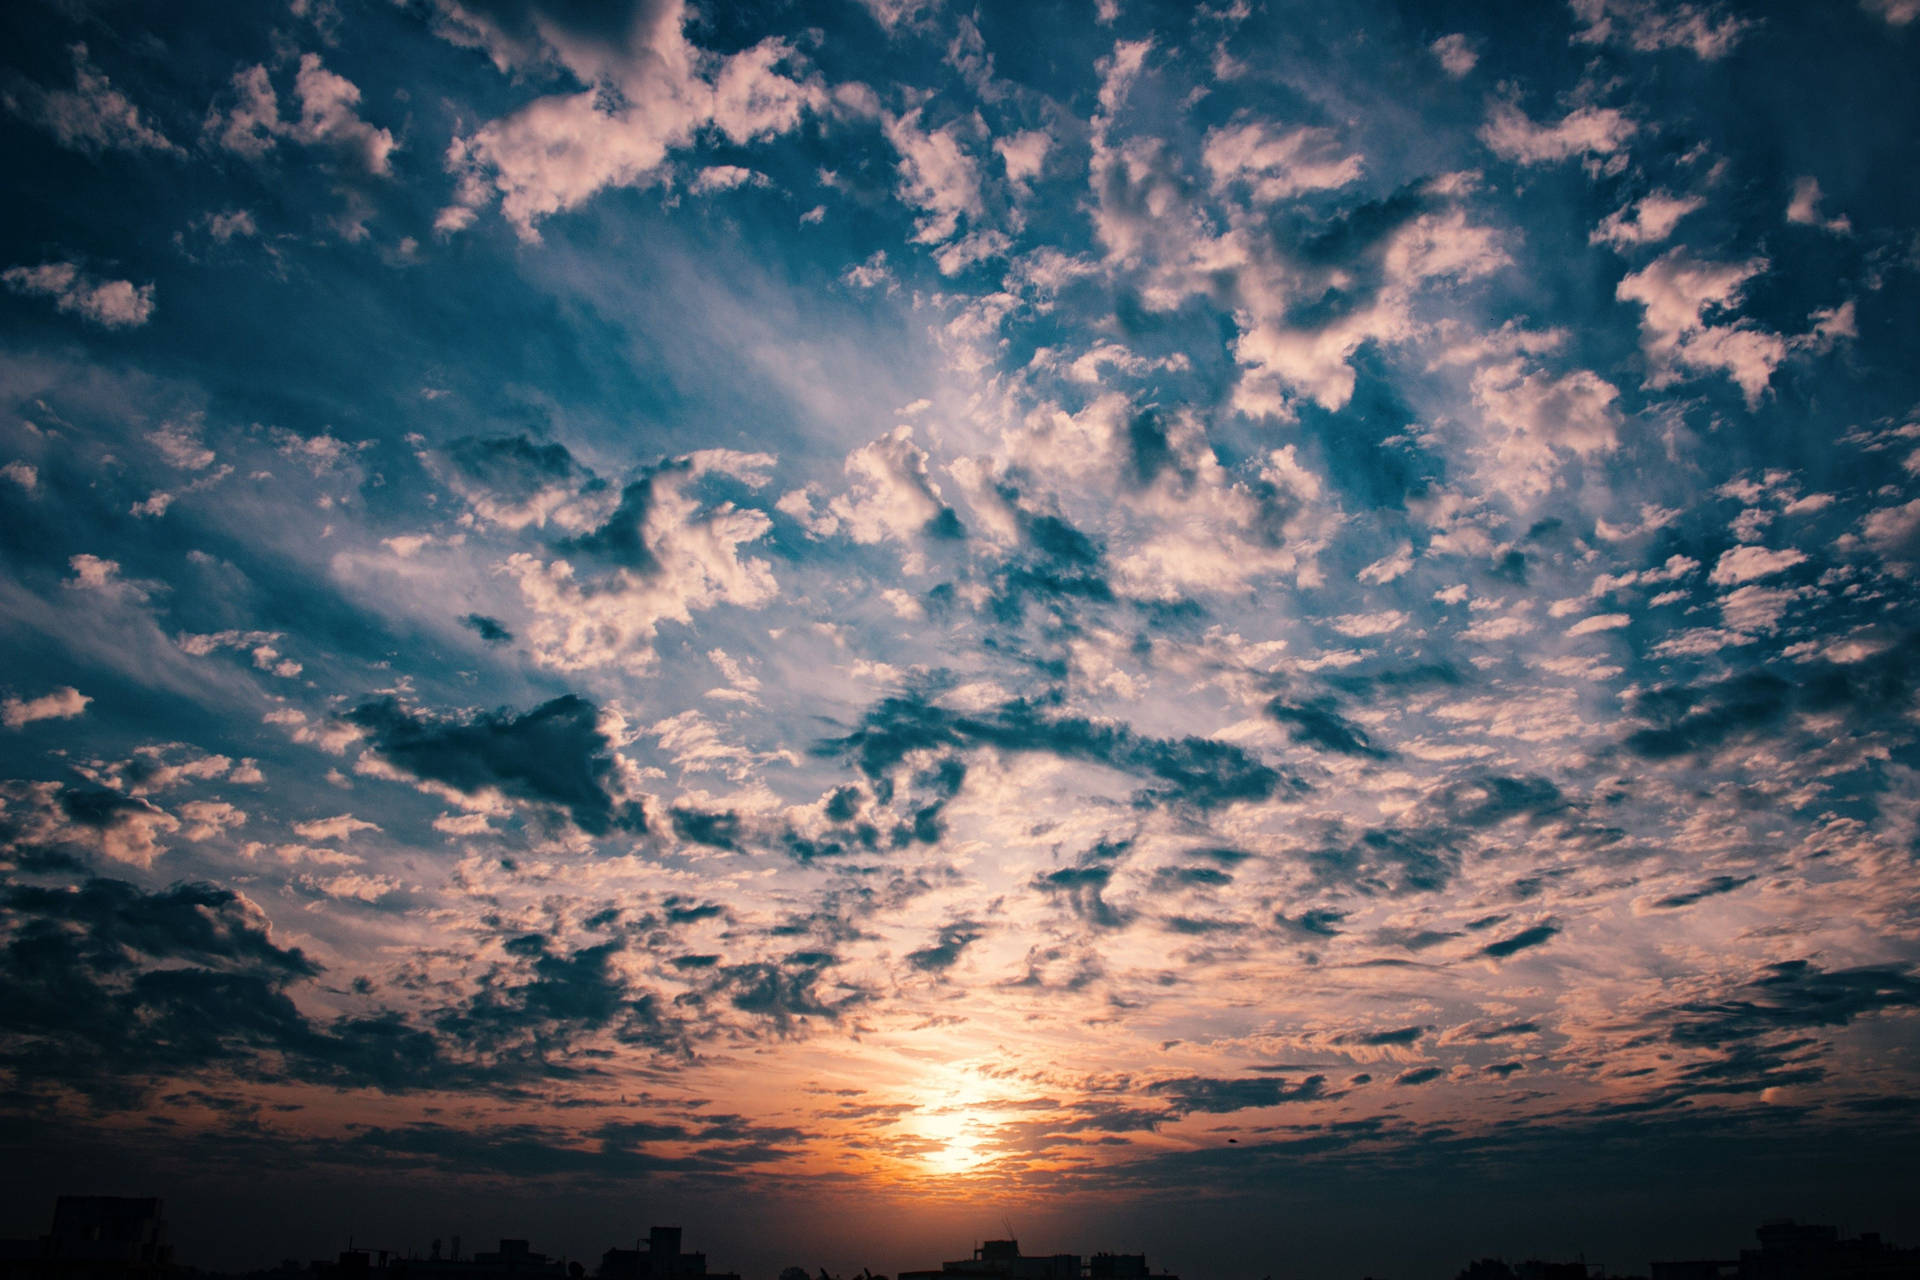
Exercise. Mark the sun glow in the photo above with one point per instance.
(951, 1130)
(955, 1141)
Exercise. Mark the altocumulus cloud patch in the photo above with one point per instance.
(874, 597)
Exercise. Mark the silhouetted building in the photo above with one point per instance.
(513, 1260)
(94, 1238)
(1802, 1251)
(1535, 1269)
(1002, 1260)
(661, 1259)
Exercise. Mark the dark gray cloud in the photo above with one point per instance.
(1795, 995)
(1217, 1096)
(1084, 890)
(1376, 1039)
(1538, 935)
(945, 952)
(621, 539)
(1319, 725)
(717, 830)
(513, 467)
(1706, 889)
(533, 1006)
(491, 630)
(1682, 719)
(111, 989)
(1201, 772)
(553, 755)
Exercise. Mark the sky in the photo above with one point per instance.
(1280, 633)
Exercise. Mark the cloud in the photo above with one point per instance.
(1682, 294)
(946, 950)
(1212, 1095)
(893, 495)
(1804, 209)
(62, 704)
(1536, 419)
(1898, 13)
(1794, 995)
(1599, 622)
(1370, 266)
(1590, 131)
(937, 176)
(1648, 220)
(1747, 563)
(1320, 726)
(1648, 26)
(511, 480)
(649, 92)
(724, 177)
(341, 827)
(92, 116)
(671, 553)
(1711, 888)
(490, 630)
(328, 116)
(1456, 54)
(1200, 772)
(1275, 165)
(112, 304)
(1538, 935)
(554, 755)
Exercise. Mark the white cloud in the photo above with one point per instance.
(113, 304)
(1894, 531)
(1649, 26)
(93, 573)
(1024, 155)
(1390, 566)
(1283, 357)
(937, 176)
(207, 819)
(698, 563)
(1599, 622)
(231, 225)
(1746, 563)
(1278, 164)
(1535, 417)
(336, 828)
(646, 97)
(1647, 221)
(328, 105)
(1897, 12)
(1593, 131)
(724, 177)
(1804, 209)
(1680, 294)
(1369, 624)
(1752, 610)
(1456, 55)
(62, 704)
(93, 115)
(179, 443)
(24, 474)
(893, 496)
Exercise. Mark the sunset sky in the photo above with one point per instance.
(1280, 633)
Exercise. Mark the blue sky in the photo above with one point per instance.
(1124, 615)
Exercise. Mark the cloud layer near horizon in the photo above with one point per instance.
(895, 596)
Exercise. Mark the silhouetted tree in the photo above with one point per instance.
(795, 1273)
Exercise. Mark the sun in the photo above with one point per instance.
(956, 1141)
